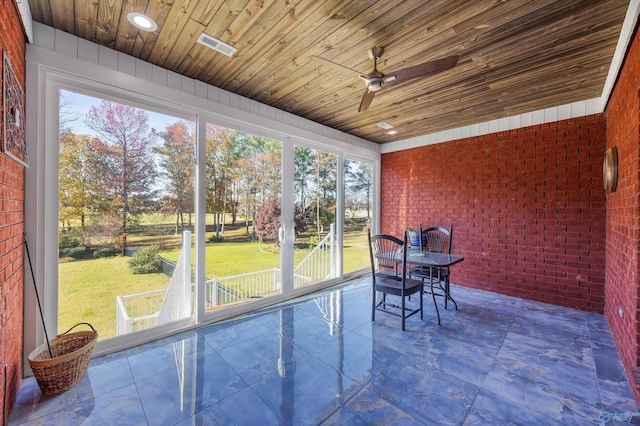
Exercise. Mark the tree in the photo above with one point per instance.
(260, 180)
(316, 185)
(358, 179)
(219, 156)
(66, 114)
(77, 179)
(268, 219)
(104, 231)
(303, 170)
(255, 172)
(177, 163)
(325, 186)
(126, 162)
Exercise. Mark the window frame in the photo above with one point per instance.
(41, 209)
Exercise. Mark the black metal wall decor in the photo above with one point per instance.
(14, 141)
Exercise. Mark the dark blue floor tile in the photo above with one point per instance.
(242, 408)
(321, 360)
(366, 408)
(306, 391)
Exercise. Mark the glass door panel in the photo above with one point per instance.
(243, 204)
(358, 210)
(315, 205)
(126, 206)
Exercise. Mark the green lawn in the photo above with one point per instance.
(87, 291)
(88, 288)
(233, 258)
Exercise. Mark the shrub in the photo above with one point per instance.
(69, 239)
(77, 252)
(146, 261)
(106, 252)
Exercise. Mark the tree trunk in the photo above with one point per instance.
(125, 208)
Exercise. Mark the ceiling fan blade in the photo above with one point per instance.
(422, 70)
(366, 100)
(335, 66)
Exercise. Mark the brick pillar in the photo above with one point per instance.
(12, 43)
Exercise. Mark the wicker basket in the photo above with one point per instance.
(71, 355)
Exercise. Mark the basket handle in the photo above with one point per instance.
(80, 323)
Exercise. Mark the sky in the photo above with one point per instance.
(78, 105)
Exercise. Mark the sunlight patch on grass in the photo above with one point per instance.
(87, 291)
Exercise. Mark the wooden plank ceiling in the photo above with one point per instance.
(515, 56)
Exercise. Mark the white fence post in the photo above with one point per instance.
(332, 251)
(214, 293)
(276, 284)
(186, 248)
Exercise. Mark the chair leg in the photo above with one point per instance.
(433, 296)
(373, 306)
(421, 306)
(402, 313)
(447, 291)
(446, 294)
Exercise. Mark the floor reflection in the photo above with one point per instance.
(321, 360)
(287, 364)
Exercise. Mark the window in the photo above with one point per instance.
(243, 204)
(221, 178)
(126, 211)
(358, 213)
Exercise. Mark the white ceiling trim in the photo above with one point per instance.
(547, 115)
(27, 20)
(626, 34)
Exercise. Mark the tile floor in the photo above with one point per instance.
(320, 360)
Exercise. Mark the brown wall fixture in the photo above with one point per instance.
(610, 169)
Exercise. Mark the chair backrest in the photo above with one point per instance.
(383, 250)
(436, 239)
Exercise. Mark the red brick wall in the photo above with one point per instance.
(12, 41)
(622, 274)
(527, 207)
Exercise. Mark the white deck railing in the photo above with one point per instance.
(138, 311)
(220, 291)
(144, 310)
(320, 264)
(177, 302)
(135, 312)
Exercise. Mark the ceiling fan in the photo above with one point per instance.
(375, 79)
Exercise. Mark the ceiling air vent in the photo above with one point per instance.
(217, 45)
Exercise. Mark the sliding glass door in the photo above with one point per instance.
(314, 210)
(243, 198)
(358, 213)
(168, 217)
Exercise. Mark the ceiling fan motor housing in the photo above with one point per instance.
(374, 81)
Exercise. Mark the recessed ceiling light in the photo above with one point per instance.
(392, 132)
(142, 22)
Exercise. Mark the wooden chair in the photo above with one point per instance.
(388, 278)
